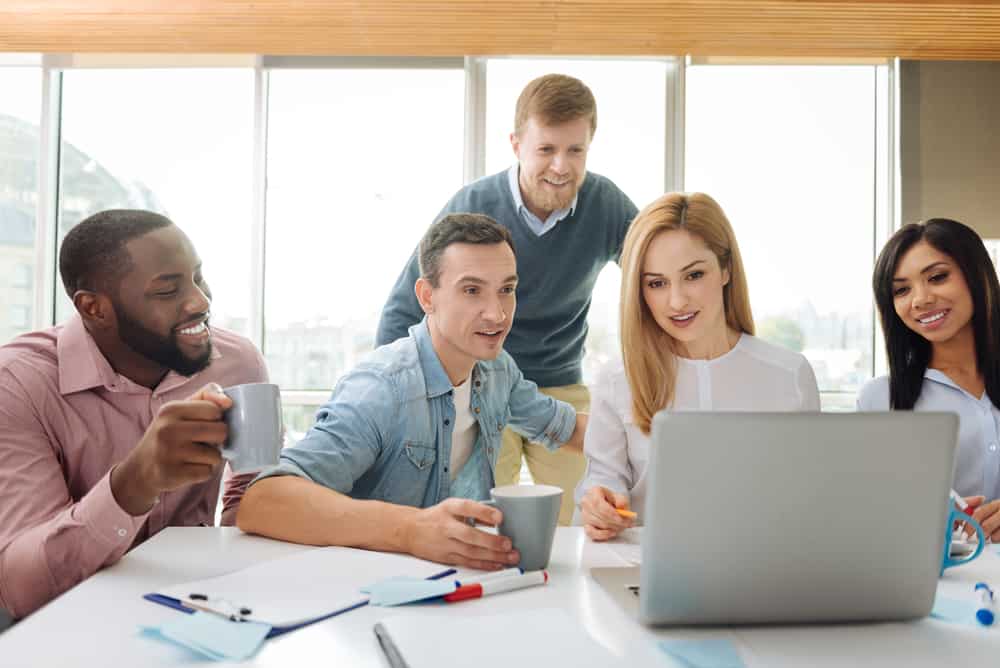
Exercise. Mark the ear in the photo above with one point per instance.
(515, 144)
(425, 294)
(96, 309)
(725, 277)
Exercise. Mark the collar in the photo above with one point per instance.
(435, 378)
(515, 191)
(82, 365)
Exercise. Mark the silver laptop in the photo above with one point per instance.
(791, 517)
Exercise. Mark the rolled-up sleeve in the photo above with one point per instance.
(349, 433)
(536, 416)
(48, 541)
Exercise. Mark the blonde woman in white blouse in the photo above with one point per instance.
(687, 344)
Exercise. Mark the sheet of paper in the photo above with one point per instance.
(450, 637)
(212, 636)
(626, 547)
(710, 653)
(305, 585)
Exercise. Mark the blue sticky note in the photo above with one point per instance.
(713, 653)
(213, 636)
(955, 611)
(399, 591)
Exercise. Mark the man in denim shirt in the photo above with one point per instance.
(408, 442)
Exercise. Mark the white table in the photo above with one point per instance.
(95, 624)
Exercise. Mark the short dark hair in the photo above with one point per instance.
(907, 352)
(93, 255)
(457, 228)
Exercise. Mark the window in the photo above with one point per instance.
(179, 142)
(359, 162)
(20, 111)
(789, 152)
(628, 148)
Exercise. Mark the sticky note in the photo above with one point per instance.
(399, 591)
(712, 653)
(213, 636)
(955, 611)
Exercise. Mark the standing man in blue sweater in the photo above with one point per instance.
(566, 225)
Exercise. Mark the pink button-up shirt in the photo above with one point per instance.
(66, 419)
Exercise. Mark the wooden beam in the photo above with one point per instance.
(919, 29)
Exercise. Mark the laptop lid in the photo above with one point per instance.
(795, 517)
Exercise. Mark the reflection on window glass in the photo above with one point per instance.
(628, 148)
(20, 108)
(179, 142)
(359, 164)
(789, 153)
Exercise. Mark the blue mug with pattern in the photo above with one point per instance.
(954, 516)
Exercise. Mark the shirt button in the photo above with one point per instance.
(476, 409)
(122, 532)
(477, 383)
(447, 422)
(489, 451)
(993, 447)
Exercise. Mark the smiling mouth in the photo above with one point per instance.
(200, 328)
(683, 318)
(490, 333)
(931, 319)
(557, 184)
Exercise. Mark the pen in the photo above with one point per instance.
(628, 514)
(986, 614)
(497, 575)
(960, 502)
(496, 586)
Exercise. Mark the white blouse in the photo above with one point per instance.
(977, 459)
(753, 376)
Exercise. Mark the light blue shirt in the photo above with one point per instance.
(535, 224)
(977, 459)
(385, 433)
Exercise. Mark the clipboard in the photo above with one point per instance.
(295, 591)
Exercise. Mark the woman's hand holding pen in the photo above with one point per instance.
(602, 512)
(988, 516)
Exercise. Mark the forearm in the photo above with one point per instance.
(575, 442)
(300, 511)
(50, 557)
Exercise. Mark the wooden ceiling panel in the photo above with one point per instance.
(918, 29)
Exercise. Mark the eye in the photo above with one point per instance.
(900, 291)
(939, 277)
(695, 275)
(471, 290)
(165, 293)
(507, 290)
(656, 283)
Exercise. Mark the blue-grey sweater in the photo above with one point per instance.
(556, 274)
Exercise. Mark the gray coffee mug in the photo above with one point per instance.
(530, 515)
(254, 422)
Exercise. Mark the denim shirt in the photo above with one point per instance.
(385, 433)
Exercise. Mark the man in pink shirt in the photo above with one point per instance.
(110, 423)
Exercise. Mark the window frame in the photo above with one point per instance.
(46, 283)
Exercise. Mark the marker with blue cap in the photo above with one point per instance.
(986, 614)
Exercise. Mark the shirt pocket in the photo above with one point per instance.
(421, 455)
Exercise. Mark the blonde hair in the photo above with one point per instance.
(554, 99)
(648, 351)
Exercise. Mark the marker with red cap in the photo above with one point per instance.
(960, 502)
(480, 589)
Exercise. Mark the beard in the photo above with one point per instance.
(165, 351)
(539, 197)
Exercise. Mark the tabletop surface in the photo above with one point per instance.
(96, 623)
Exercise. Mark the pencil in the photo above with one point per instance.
(627, 513)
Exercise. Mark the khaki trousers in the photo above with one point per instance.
(561, 468)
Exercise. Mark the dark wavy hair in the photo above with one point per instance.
(908, 352)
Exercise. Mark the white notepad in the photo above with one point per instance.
(544, 637)
(303, 586)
